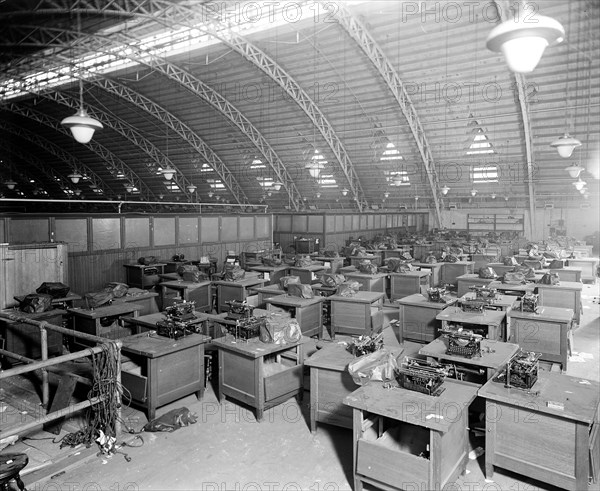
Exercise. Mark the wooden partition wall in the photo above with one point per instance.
(334, 230)
(99, 246)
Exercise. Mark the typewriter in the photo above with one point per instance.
(437, 294)
(239, 310)
(246, 328)
(422, 376)
(179, 322)
(529, 302)
(462, 342)
(363, 345)
(484, 298)
(521, 371)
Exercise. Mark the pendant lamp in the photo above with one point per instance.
(565, 145)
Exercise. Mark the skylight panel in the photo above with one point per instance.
(215, 184)
(172, 186)
(206, 168)
(390, 153)
(480, 145)
(482, 174)
(257, 164)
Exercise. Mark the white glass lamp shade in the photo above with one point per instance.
(574, 170)
(168, 173)
(417, 198)
(75, 177)
(191, 188)
(579, 184)
(315, 168)
(523, 40)
(129, 188)
(276, 185)
(445, 190)
(565, 145)
(318, 195)
(210, 194)
(386, 194)
(473, 192)
(10, 184)
(345, 192)
(82, 126)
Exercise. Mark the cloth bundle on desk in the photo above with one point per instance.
(303, 261)
(300, 290)
(513, 278)
(397, 265)
(348, 288)
(510, 261)
(54, 289)
(367, 267)
(550, 279)
(451, 258)
(284, 281)
(98, 299)
(271, 261)
(233, 272)
(487, 272)
(190, 272)
(332, 280)
(380, 366)
(35, 302)
(280, 328)
(526, 270)
(147, 260)
(117, 289)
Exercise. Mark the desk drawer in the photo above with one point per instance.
(281, 380)
(136, 384)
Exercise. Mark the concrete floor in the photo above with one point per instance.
(228, 450)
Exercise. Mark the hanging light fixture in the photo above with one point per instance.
(75, 177)
(386, 194)
(445, 190)
(129, 187)
(583, 190)
(345, 192)
(565, 145)
(210, 194)
(77, 192)
(505, 198)
(314, 168)
(417, 198)
(10, 184)
(473, 192)
(81, 125)
(318, 195)
(493, 196)
(579, 184)
(191, 188)
(523, 39)
(276, 186)
(574, 170)
(168, 173)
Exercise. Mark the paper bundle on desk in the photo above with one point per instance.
(379, 366)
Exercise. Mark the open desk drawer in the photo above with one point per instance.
(280, 380)
(135, 381)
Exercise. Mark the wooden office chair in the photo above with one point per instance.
(11, 464)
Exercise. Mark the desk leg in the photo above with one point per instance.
(314, 398)
(201, 375)
(259, 393)
(221, 396)
(152, 389)
(582, 466)
(357, 424)
(492, 412)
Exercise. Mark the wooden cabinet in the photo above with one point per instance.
(545, 332)
(466, 281)
(271, 274)
(451, 271)
(259, 374)
(142, 276)
(420, 448)
(435, 270)
(178, 291)
(369, 282)
(588, 266)
(24, 339)
(405, 284)
(147, 300)
(309, 274)
(568, 274)
(548, 433)
(234, 290)
(565, 295)
(158, 370)
(417, 316)
(307, 311)
(356, 315)
(490, 324)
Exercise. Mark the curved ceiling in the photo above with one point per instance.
(393, 99)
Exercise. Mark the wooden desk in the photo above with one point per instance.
(465, 281)
(66, 302)
(369, 282)
(24, 339)
(353, 315)
(309, 274)
(451, 271)
(374, 258)
(271, 274)
(491, 322)
(500, 268)
(307, 311)
(161, 370)
(144, 298)
(171, 266)
(333, 264)
(405, 284)
(258, 374)
(436, 272)
(526, 436)
(142, 276)
(106, 322)
(234, 290)
(482, 260)
(544, 332)
(494, 356)
(566, 294)
(392, 427)
(514, 290)
(568, 274)
(175, 291)
(588, 266)
(421, 251)
(330, 383)
(265, 292)
(417, 317)
(148, 322)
